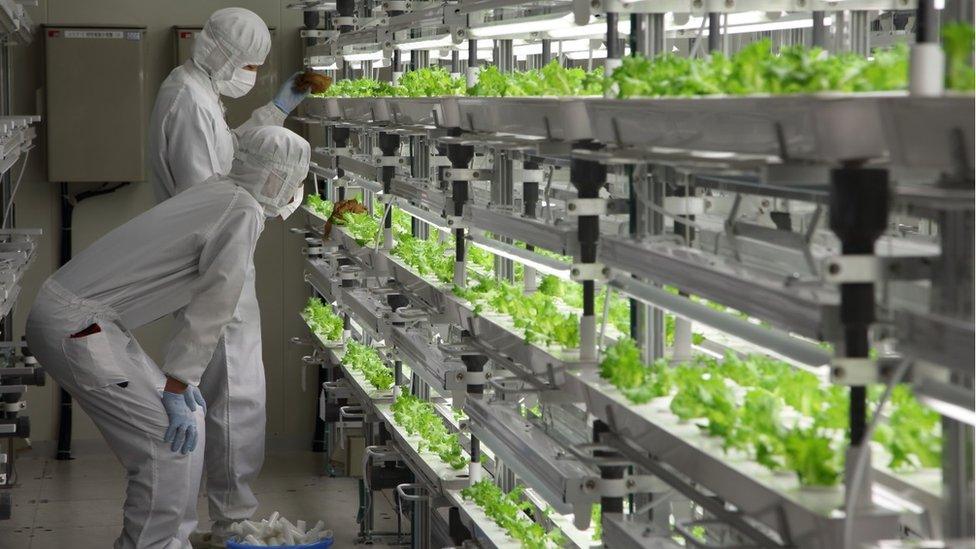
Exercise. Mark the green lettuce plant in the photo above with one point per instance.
(322, 320)
(319, 205)
(704, 391)
(419, 417)
(757, 69)
(509, 511)
(367, 361)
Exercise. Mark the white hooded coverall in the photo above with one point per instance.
(188, 256)
(190, 142)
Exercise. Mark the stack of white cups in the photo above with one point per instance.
(278, 530)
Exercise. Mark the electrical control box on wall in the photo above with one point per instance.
(240, 109)
(96, 103)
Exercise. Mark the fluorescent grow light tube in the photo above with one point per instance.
(426, 43)
(744, 22)
(578, 55)
(540, 263)
(595, 29)
(355, 57)
(564, 46)
(522, 27)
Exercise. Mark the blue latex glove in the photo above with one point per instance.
(193, 398)
(288, 97)
(182, 430)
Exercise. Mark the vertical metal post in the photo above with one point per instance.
(530, 199)
(681, 350)
(588, 176)
(650, 34)
(612, 472)
(455, 63)
(952, 295)
(475, 366)
(340, 139)
(634, 178)
(504, 56)
(420, 168)
(860, 32)
(460, 156)
(502, 196)
(397, 65)
(656, 39)
(859, 204)
(546, 51)
(347, 11)
(927, 60)
(614, 49)
(472, 71)
(957, 474)
(419, 59)
(389, 143)
(7, 183)
(714, 32)
(819, 30)
(637, 23)
(653, 333)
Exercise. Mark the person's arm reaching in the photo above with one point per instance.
(226, 256)
(275, 112)
(268, 115)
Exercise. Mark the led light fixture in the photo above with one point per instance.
(522, 27)
(426, 43)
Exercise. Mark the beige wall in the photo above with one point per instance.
(280, 290)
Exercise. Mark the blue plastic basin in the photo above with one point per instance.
(322, 544)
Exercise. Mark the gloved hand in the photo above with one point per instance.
(289, 96)
(193, 398)
(182, 430)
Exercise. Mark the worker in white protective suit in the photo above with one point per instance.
(189, 143)
(188, 256)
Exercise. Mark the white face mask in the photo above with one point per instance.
(239, 84)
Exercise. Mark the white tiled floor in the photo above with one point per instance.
(78, 503)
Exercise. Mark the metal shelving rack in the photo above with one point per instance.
(18, 249)
(758, 188)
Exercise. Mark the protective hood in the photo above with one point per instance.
(231, 39)
(271, 163)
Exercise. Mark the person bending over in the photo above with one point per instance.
(188, 256)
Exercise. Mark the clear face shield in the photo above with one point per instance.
(280, 198)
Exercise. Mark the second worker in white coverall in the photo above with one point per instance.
(189, 142)
(188, 256)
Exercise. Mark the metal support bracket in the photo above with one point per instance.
(461, 174)
(589, 271)
(684, 205)
(586, 206)
(854, 371)
(848, 269)
(318, 33)
(387, 160)
(618, 488)
(533, 176)
(335, 151)
(455, 222)
(14, 407)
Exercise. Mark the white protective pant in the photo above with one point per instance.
(119, 387)
(234, 387)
